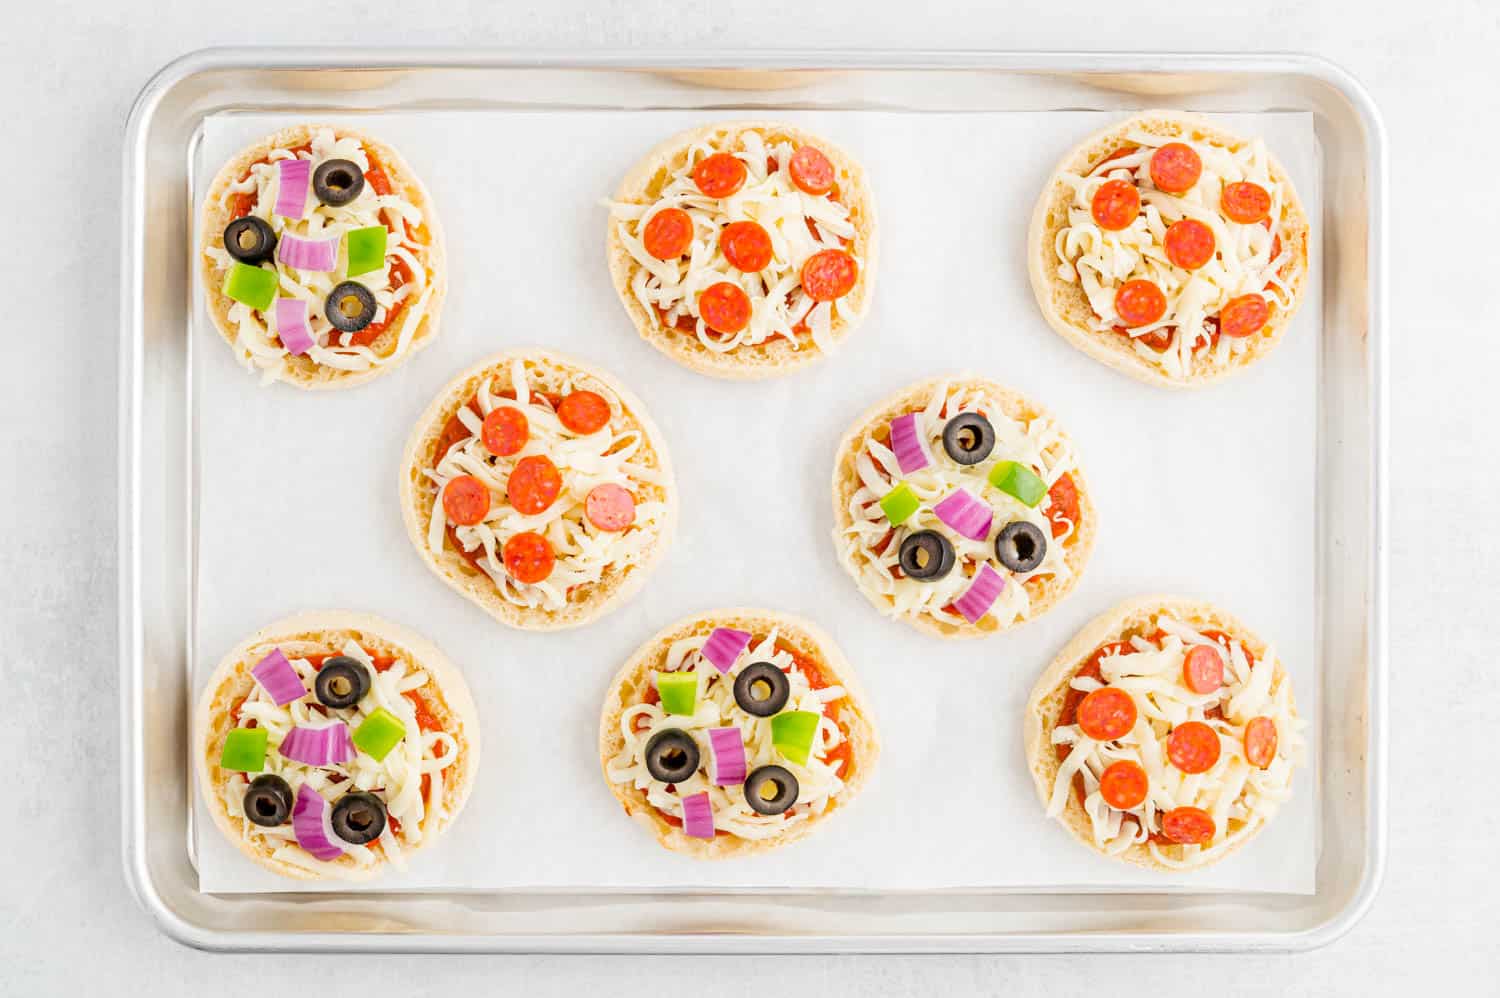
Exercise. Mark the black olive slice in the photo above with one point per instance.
(268, 801)
(671, 755)
(350, 307)
(250, 239)
(337, 182)
(342, 682)
(968, 438)
(761, 689)
(1021, 546)
(358, 817)
(770, 790)
(926, 556)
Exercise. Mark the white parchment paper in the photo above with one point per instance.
(1207, 494)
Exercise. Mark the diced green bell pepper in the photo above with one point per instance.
(899, 504)
(1014, 478)
(793, 731)
(378, 733)
(253, 286)
(366, 249)
(245, 750)
(679, 691)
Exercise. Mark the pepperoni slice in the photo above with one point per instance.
(1140, 303)
(1106, 714)
(1123, 785)
(528, 557)
(1188, 826)
(1063, 511)
(829, 274)
(1175, 168)
(1157, 339)
(1260, 741)
(610, 507)
(1189, 243)
(719, 175)
(534, 484)
(811, 171)
(505, 431)
(746, 245)
(583, 412)
(668, 233)
(1193, 747)
(1203, 669)
(725, 307)
(1244, 315)
(1116, 204)
(1245, 202)
(466, 500)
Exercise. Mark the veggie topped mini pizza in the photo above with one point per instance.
(743, 249)
(960, 507)
(1169, 249)
(734, 732)
(539, 488)
(332, 744)
(1164, 734)
(322, 259)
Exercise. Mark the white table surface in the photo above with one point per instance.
(70, 71)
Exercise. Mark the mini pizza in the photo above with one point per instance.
(540, 489)
(322, 260)
(1164, 734)
(332, 745)
(959, 507)
(1169, 249)
(734, 732)
(743, 249)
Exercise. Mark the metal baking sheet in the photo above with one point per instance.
(157, 382)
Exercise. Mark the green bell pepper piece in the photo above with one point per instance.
(792, 732)
(366, 249)
(378, 733)
(679, 692)
(245, 750)
(899, 504)
(1014, 478)
(253, 286)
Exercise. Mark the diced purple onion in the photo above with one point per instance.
(310, 823)
(294, 176)
(726, 747)
(908, 445)
(981, 594)
(724, 647)
(965, 514)
(308, 254)
(291, 325)
(698, 816)
(327, 745)
(277, 677)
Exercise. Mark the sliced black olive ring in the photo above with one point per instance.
(770, 790)
(250, 239)
(968, 438)
(350, 307)
(761, 689)
(926, 556)
(342, 682)
(358, 817)
(268, 801)
(671, 755)
(1021, 546)
(337, 182)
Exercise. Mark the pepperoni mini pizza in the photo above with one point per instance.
(959, 507)
(322, 260)
(1164, 734)
(538, 488)
(743, 249)
(1169, 249)
(734, 732)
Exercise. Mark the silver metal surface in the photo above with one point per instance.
(157, 538)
